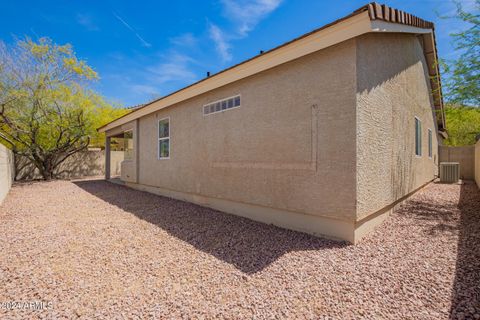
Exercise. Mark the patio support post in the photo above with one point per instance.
(107, 158)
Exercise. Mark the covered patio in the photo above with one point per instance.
(121, 139)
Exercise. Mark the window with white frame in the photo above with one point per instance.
(222, 105)
(418, 137)
(164, 138)
(430, 146)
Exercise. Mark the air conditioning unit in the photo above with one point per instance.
(449, 172)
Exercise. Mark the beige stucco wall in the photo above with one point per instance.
(290, 146)
(6, 171)
(392, 89)
(464, 155)
(323, 144)
(477, 163)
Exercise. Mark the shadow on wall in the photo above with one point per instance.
(248, 245)
(376, 53)
(389, 86)
(466, 289)
(403, 176)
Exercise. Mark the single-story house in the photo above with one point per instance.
(324, 134)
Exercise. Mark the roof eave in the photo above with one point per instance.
(369, 18)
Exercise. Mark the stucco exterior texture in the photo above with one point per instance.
(323, 144)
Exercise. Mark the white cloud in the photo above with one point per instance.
(175, 68)
(145, 78)
(248, 13)
(139, 37)
(86, 21)
(245, 15)
(185, 40)
(145, 89)
(221, 44)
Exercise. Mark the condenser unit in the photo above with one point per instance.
(449, 172)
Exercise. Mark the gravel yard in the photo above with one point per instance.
(93, 249)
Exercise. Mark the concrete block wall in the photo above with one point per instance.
(464, 155)
(82, 164)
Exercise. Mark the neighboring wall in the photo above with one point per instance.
(290, 146)
(477, 163)
(465, 156)
(6, 171)
(82, 164)
(392, 88)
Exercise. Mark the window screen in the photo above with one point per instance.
(164, 138)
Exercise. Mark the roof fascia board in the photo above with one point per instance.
(344, 30)
(383, 26)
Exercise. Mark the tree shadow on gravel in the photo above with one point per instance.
(436, 217)
(248, 245)
(466, 288)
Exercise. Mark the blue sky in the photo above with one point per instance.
(146, 49)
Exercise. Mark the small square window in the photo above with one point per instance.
(237, 101)
(224, 105)
(230, 103)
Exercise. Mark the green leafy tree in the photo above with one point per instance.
(47, 112)
(463, 124)
(100, 115)
(462, 75)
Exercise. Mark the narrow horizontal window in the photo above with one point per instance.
(222, 105)
(164, 138)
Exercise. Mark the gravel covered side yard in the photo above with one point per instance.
(95, 249)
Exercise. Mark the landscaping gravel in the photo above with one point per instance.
(93, 249)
